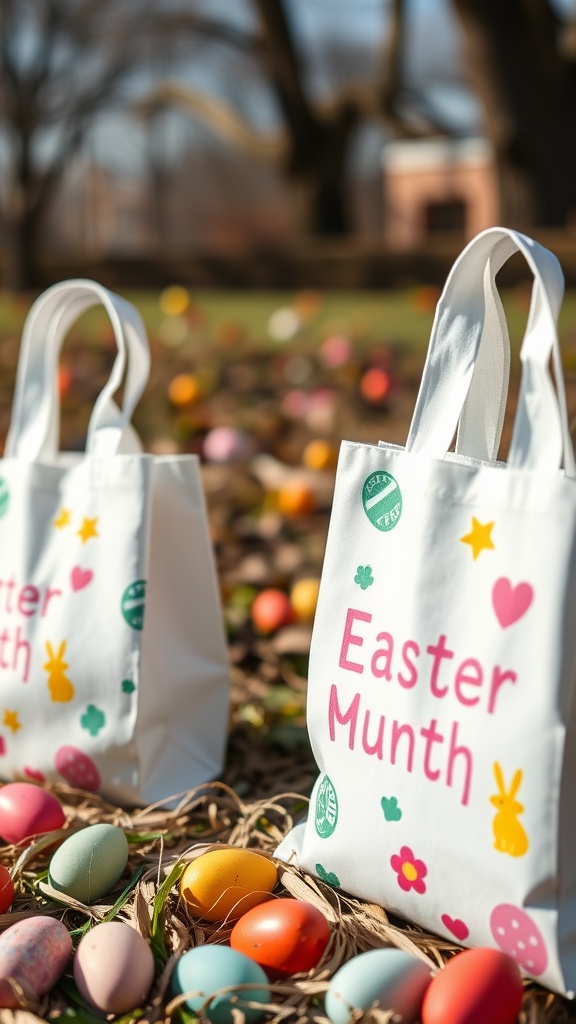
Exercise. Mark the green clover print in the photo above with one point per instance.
(93, 720)
(364, 577)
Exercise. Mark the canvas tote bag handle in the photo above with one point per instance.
(34, 428)
(457, 382)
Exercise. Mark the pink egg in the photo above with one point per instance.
(27, 810)
(114, 967)
(77, 768)
(224, 444)
(517, 935)
(34, 952)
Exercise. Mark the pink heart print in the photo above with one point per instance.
(458, 928)
(510, 602)
(80, 578)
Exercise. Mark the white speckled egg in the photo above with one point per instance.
(393, 979)
(114, 967)
(34, 952)
(89, 862)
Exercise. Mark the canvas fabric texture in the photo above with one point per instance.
(114, 673)
(441, 683)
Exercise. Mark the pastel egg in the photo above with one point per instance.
(474, 987)
(270, 610)
(516, 934)
(225, 444)
(114, 967)
(34, 952)
(27, 810)
(89, 862)
(284, 936)
(205, 970)
(304, 598)
(227, 883)
(393, 979)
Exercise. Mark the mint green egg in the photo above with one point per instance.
(89, 862)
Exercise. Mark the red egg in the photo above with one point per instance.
(270, 610)
(284, 936)
(474, 987)
(26, 810)
(6, 889)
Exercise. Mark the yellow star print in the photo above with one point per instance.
(479, 537)
(11, 720)
(62, 519)
(88, 529)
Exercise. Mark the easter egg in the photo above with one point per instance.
(304, 598)
(474, 987)
(284, 936)
(393, 979)
(174, 300)
(183, 389)
(34, 952)
(227, 883)
(271, 609)
(517, 935)
(295, 499)
(114, 967)
(89, 862)
(205, 970)
(319, 454)
(27, 810)
(6, 889)
(375, 385)
(224, 444)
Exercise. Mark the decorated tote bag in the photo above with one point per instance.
(113, 666)
(441, 704)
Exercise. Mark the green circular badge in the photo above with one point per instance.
(133, 601)
(326, 815)
(4, 497)
(382, 500)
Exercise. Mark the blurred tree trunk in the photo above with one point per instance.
(525, 81)
(318, 145)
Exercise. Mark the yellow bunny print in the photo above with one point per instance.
(509, 833)
(61, 689)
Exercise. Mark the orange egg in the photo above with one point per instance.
(296, 499)
(284, 936)
(183, 389)
(375, 385)
(474, 987)
(270, 610)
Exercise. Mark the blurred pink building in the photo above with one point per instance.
(438, 186)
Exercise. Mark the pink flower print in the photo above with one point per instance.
(411, 871)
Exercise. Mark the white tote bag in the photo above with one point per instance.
(113, 665)
(441, 703)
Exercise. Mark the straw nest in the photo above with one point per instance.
(161, 842)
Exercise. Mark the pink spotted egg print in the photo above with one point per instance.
(77, 768)
(517, 935)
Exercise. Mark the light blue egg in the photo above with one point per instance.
(206, 969)
(390, 977)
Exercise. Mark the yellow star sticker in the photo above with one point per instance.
(11, 721)
(62, 519)
(88, 529)
(479, 537)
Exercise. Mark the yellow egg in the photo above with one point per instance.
(174, 300)
(226, 883)
(304, 598)
(319, 454)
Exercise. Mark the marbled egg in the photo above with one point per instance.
(474, 987)
(89, 862)
(114, 967)
(393, 979)
(27, 810)
(205, 970)
(226, 883)
(35, 953)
